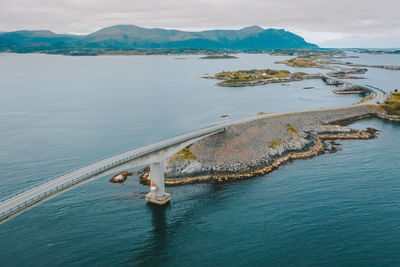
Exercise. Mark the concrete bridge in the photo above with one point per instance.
(379, 95)
(153, 155)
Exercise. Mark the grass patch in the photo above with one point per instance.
(392, 105)
(253, 75)
(301, 63)
(365, 98)
(299, 73)
(291, 129)
(275, 144)
(183, 155)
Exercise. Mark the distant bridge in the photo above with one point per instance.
(379, 95)
(153, 155)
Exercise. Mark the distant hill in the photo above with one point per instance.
(130, 37)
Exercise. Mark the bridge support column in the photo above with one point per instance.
(157, 193)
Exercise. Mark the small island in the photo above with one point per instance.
(300, 63)
(390, 109)
(120, 177)
(218, 57)
(255, 77)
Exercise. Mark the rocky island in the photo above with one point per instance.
(301, 63)
(120, 177)
(255, 77)
(218, 57)
(258, 147)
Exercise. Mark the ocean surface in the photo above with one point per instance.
(58, 113)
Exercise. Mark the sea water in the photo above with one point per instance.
(58, 113)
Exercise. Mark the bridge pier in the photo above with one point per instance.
(157, 193)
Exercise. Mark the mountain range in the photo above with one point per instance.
(131, 37)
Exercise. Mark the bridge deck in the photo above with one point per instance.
(379, 94)
(19, 201)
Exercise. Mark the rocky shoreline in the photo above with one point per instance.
(258, 147)
(241, 78)
(389, 117)
(349, 90)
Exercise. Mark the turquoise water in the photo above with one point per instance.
(57, 113)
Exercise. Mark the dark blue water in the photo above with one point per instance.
(334, 209)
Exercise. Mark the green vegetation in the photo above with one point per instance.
(365, 98)
(299, 62)
(123, 38)
(291, 129)
(182, 155)
(257, 77)
(392, 105)
(143, 51)
(251, 75)
(305, 52)
(275, 144)
(218, 57)
(300, 74)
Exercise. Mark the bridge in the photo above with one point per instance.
(153, 155)
(379, 95)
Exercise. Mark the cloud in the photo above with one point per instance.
(320, 21)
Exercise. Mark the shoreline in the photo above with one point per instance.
(392, 118)
(315, 150)
(317, 147)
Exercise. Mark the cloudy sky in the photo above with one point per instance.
(333, 23)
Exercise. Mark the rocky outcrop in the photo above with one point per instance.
(389, 117)
(120, 177)
(260, 146)
(350, 90)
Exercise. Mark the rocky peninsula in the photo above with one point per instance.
(260, 146)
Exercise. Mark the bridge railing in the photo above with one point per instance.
(51, 191)
(61, 187)
(134, 153)
(376, 88)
